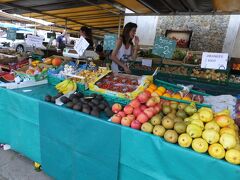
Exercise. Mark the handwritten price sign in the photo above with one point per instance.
(81, 45)
(164, 47)
(34, 41)
(214, 60)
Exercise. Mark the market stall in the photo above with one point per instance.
(72, 144)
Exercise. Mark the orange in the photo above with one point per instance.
(150, 90)
(176, 96)
(159, 92)
(186, 98)
(162, 89)
(166, 95)
(153, 87)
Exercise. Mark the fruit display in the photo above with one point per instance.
(91, 76)
(66, 86)
(36, 73)
(202, 130)
(55, 61)
(236, 66)
(237, 111)
(93, 104)
(143, 68)
(183, 95)
(193, 57)
(179, 54)
(179, 70)
(7, 77)
(234, 78)
(121, 85)
(209, 75)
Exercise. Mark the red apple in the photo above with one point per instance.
(128, 109)
(149, 112)
(136, 124)
(116, 118)
(158, 108)
(116, 108)
(121, 113)
(142, 118)
(151, 102)
(131, 117)
(169, 92)
(136, 111)
(135, 103)
(143, 97)
(126, 121)
(147, 93)
(143, 107)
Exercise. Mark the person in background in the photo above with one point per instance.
(87, 34)
(99, 51)
(61, 40)
(125, 49)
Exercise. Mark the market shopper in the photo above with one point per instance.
(125, 49)
(86, 32)
(61, 40)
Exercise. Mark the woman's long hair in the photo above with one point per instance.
(125, 35)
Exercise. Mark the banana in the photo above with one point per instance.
(61, 84)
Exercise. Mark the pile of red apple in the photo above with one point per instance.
(138, 111)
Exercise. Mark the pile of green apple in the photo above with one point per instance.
(202, 129)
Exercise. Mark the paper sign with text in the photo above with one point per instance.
(34, 41)
(214, 60)
(109, 42)
(81, 45)
(147, 62)
(164, 47)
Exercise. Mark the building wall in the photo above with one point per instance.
(208, 31)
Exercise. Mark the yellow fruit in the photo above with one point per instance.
(150, 90)
(233, 156)
(227, 130)
(205, 116)
(205, 109)
(188, 120)
(159, 92)
(184, 140)
(176, 96)
(198, 123)
(167, 95)
(228, 141)
(223, 112)
(200, 145)
(186, 98)
(194, 131)
(212, 125)
(153, 87)
(162, 89)
(216, 150)
(211, 136)
(223, 120)
(237, 147)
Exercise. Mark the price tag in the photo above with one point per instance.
(109, 42)
(34, 41)
(164, 47)
(147, 62)
(81, 45)
(214, 60)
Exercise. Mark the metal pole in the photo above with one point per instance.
(119, 26)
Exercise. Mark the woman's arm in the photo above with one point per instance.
(115, 58)
(136, 48)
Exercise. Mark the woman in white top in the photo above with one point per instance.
(125, 49)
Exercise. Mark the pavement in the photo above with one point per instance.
(14, 166)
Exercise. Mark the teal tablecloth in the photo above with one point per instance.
(71, 145)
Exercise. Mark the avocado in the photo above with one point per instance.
(48, 98)
(99, 97)
(108, 112)
(64, 99)
(79, 95)
(95, 113)
(53, 99)
(95, 101)
(101, 106)
(72, 96)
(70, 104)
(75, 100)
(86, 110)
(77, 107)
